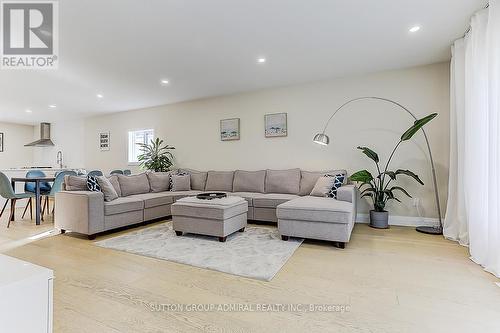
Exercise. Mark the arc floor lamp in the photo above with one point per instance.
(323, 139)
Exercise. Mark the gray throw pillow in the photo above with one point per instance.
(113, 179)
(159, 181)
(75, 183)
(107, 188)
(181, 183)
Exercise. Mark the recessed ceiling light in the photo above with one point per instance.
(164, 81)
(100, 96)
(28, 111)
(415, 28)
(52, 106)
(261, 60)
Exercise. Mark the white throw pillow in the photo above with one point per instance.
(323, 186)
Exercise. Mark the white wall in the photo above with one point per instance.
(68, 137)
(193, 128)
(15, 137)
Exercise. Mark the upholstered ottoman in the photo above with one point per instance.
(216, 217)
(317, 218)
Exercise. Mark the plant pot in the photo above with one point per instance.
(379, 220)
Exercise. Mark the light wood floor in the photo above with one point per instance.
(393, 280)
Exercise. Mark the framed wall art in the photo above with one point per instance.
(275, 125)
(230, 129)
(104, 141)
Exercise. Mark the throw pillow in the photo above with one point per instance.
(181, 183)
(113, 179)
(75, 183)
(179, 173)
(107, 188)
(92, 184)
(337, 183)
(327, 185)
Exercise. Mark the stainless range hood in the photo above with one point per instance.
(45, 140)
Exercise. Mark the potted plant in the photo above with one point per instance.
(377, 188)
(156, 156)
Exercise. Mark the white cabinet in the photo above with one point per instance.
(25, 297)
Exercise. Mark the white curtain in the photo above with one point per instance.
(473, 212)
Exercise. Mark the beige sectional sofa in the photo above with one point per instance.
(146, 197)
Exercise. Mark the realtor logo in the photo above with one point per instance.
(29, 34)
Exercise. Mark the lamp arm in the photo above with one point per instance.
(433, 169)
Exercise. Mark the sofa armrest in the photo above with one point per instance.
(347, 193)
(80, 211)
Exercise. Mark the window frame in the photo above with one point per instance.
(129, 137)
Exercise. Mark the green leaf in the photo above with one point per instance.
(418, 124)
(391, 174)
(400, 189)
(410, 174)
(361, 176)
(370, 153)
(366, 190)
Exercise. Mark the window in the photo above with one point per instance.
(135, 137)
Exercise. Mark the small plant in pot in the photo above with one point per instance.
(380, 188)
(156, 156)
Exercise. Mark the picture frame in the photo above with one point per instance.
(1, 142)
(104, 139)
(275, 125)
(230, 129)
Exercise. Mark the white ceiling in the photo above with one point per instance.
(122, 48)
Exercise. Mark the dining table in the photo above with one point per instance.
(38, 196)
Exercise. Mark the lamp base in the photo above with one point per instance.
(430, 230)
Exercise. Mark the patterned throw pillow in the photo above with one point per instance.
(92, 184)
(179, 173)
(339, 180)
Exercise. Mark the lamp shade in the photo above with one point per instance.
(322, 139)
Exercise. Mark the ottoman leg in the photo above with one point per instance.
(178, 233)
(242, 229)
(222, 239)
(285, 238)
(340, 245)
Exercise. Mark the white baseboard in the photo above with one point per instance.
(406, 221)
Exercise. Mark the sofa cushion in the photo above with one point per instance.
(249, 181)
(159, 181)
(136, 184)
(154, 199)
(316, 209)
(248, 196)
(106, 188)
(271, 200)
(113, 179)
(75, 183)
(283, 181)
(176, 195)
(198, 179)
(220, 181)
(123, 205)
(309, 178)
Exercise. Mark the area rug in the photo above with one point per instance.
(257, 253)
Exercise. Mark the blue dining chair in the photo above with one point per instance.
(7, 192)
(116, 172)
(45, 188)
(127, 172)
(95, 173)
(57, 187)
